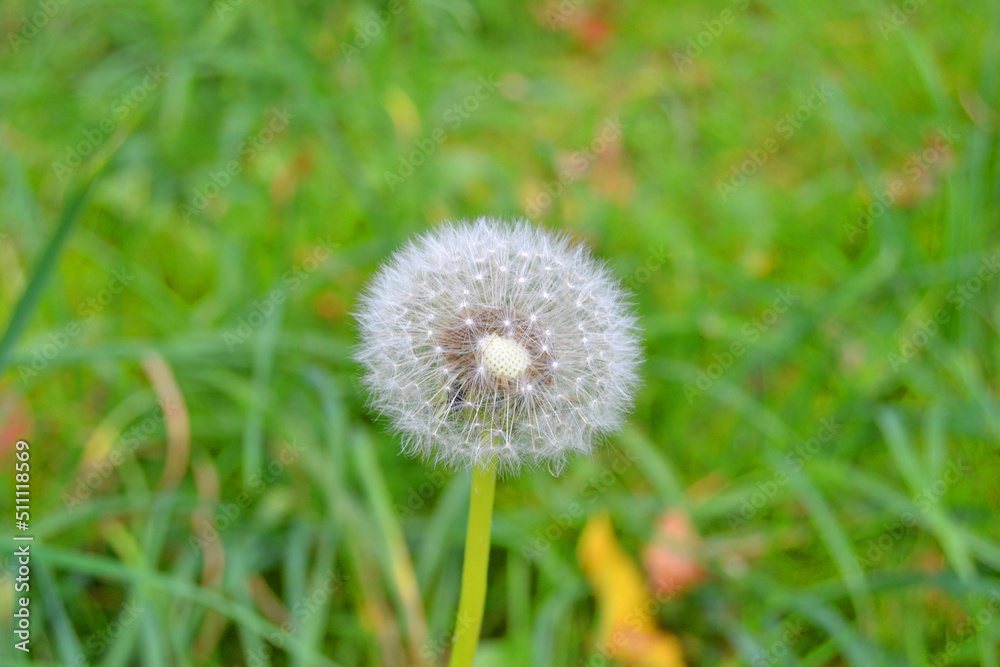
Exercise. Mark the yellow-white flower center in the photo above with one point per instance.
(504, 357)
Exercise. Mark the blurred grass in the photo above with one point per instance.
(388, 529)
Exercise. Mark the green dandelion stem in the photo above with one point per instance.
(477, 559)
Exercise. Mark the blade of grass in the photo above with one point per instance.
(107, 568)
(67, 643)
(263, 361)
(76, 203)
(941, 524)
(401, 563)
(836, 542)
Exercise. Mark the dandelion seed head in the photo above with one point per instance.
(498, 342)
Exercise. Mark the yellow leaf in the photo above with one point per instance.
(627, 631)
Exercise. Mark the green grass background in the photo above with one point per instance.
(362, 547)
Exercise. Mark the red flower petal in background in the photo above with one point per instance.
(672, 562)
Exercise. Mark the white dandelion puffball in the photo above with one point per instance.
(499, 343)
